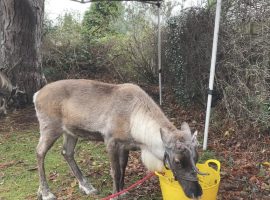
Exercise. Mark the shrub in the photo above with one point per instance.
(242, 71)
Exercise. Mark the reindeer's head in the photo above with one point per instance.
(17, 99)
(180, 156)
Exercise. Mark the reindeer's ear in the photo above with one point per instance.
(185, 127)
(166, 137)
(163, 135)
(194, 140)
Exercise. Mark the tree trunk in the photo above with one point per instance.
(20, 37)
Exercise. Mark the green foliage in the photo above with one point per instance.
(242, 71)
(188, 54)
(137, 49)
(48, 26)
(113, 37)
(101, 19)
(211, 3)
(206, 155)
(67, 30)
(64, 51)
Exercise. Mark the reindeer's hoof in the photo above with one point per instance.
(88, 189)
(48, 196)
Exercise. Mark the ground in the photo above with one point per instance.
(244, 157)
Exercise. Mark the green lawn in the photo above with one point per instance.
(18, 170)
(19, 178)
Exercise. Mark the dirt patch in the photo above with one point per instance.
(18, 120)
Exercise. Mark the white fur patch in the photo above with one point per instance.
(87, 190)
(151, 162)
(35, 97)
(145, 130)
(50, 196)
(68, 131)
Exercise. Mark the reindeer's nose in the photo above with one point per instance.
(194, 192)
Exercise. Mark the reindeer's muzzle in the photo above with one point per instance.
(186, 178)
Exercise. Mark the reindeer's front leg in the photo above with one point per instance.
(123, 159)
(113, 151)
(118, 157)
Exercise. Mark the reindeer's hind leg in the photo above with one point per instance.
(48, 135)
(68, 153)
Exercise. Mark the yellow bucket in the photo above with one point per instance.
(171, 190)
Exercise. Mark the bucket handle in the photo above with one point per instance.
(213, 161)
(167, 178)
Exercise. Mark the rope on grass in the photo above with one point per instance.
(148, 176)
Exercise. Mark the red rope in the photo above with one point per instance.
(130, 187)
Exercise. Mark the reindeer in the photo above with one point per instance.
(125, 118)
(6, 89)
(9, 95)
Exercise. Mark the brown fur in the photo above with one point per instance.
(123, 115)
(64, 100)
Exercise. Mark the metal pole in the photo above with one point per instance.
(212, 73)
(159, 55)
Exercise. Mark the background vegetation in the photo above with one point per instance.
(242, 71)
(118, 40)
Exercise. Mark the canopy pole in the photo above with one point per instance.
(212, 73)
(159, 55)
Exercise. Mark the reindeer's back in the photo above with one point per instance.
(94, 103)
(72, 96)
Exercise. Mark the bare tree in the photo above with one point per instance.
(20, 37)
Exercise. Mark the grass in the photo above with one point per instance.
(19, 177)
(206, 155)
(17, 159)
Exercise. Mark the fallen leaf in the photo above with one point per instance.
(53, 176)
(227, 133)
(253, 179)
(267, 164)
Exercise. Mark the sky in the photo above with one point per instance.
(54, 8)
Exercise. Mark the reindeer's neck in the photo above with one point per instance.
(145, 129)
